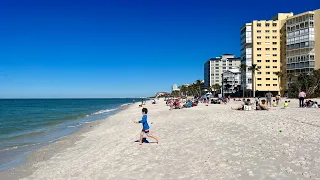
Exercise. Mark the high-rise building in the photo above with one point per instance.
(214, 68)
(261, 45)
(246, 55)
(303, 42)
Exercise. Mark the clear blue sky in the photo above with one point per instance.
(119, 48)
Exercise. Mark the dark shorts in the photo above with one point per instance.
(268, 99)
(146, 131)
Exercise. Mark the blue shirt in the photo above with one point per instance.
(145, 125)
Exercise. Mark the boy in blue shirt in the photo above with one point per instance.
(145, 126)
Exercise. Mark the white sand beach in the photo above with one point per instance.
(204, 142)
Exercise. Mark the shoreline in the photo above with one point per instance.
(48, 149)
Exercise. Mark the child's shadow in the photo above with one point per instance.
(144, 140)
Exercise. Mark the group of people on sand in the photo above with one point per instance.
(181, 103)
(308, 103)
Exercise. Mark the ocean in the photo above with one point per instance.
(28, 124)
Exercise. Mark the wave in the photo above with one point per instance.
(75, 117)
(25, 135)
(104, 111)
(52, 123)
(19, 146)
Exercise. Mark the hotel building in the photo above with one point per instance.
(214, 68)
(303, 43)
(261, 45)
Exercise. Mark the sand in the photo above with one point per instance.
(205, 142)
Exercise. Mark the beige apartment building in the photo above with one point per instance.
(261, 45)
(303, 43)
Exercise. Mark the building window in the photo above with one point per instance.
(217, 67)
(259, 67)
(267, 84)
(267, 37)
(268, 79)
(267, 24)
(259, 37)
(259, 49)
(259, 55)
(274, 66)
(275, 84)
(274, 24)
(258, 60)
(275, 79)
(267, 49)
(217, 80)
(274, 31)
(267, 43)
(259, 79)
(224, 68)
(274, 37)
(267, 55)
(259, 31)
(249, 80)
(274, 54)
(274, 49)
(259, 84)
(267, 72)
(267, 67)
(259, 24)
(274, 72)
(274, 60)
(267, 60)
(258, 43)
(259, 72)
(274, 43)
(267, 31)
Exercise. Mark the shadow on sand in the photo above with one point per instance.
(144, 140)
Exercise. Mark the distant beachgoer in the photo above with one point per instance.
(145, 126)
(274, 103)
(286, 104)
(262, 105)
(277, 98)
(268, 97)
(302, 96)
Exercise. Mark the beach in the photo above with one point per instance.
(203, 142)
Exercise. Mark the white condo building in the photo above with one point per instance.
(214, 68)
(233, 79)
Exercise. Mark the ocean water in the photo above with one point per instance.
(27, 124)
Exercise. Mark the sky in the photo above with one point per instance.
(120, 48)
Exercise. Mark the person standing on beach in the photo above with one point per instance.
(145, 126)
(268, 97)
(302, 96)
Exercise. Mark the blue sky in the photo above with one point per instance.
(118, 48)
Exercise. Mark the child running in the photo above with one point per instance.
(145, 126)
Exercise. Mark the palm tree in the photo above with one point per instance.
(215, 87)
(280, 75)
(243, 69)
(253, 69)
(183, 89)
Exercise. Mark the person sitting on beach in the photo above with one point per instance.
(315, 105)
(274, 103)
(245, 103)
(286, 104)
(154, 101)
(145, 126)
(262, 105)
